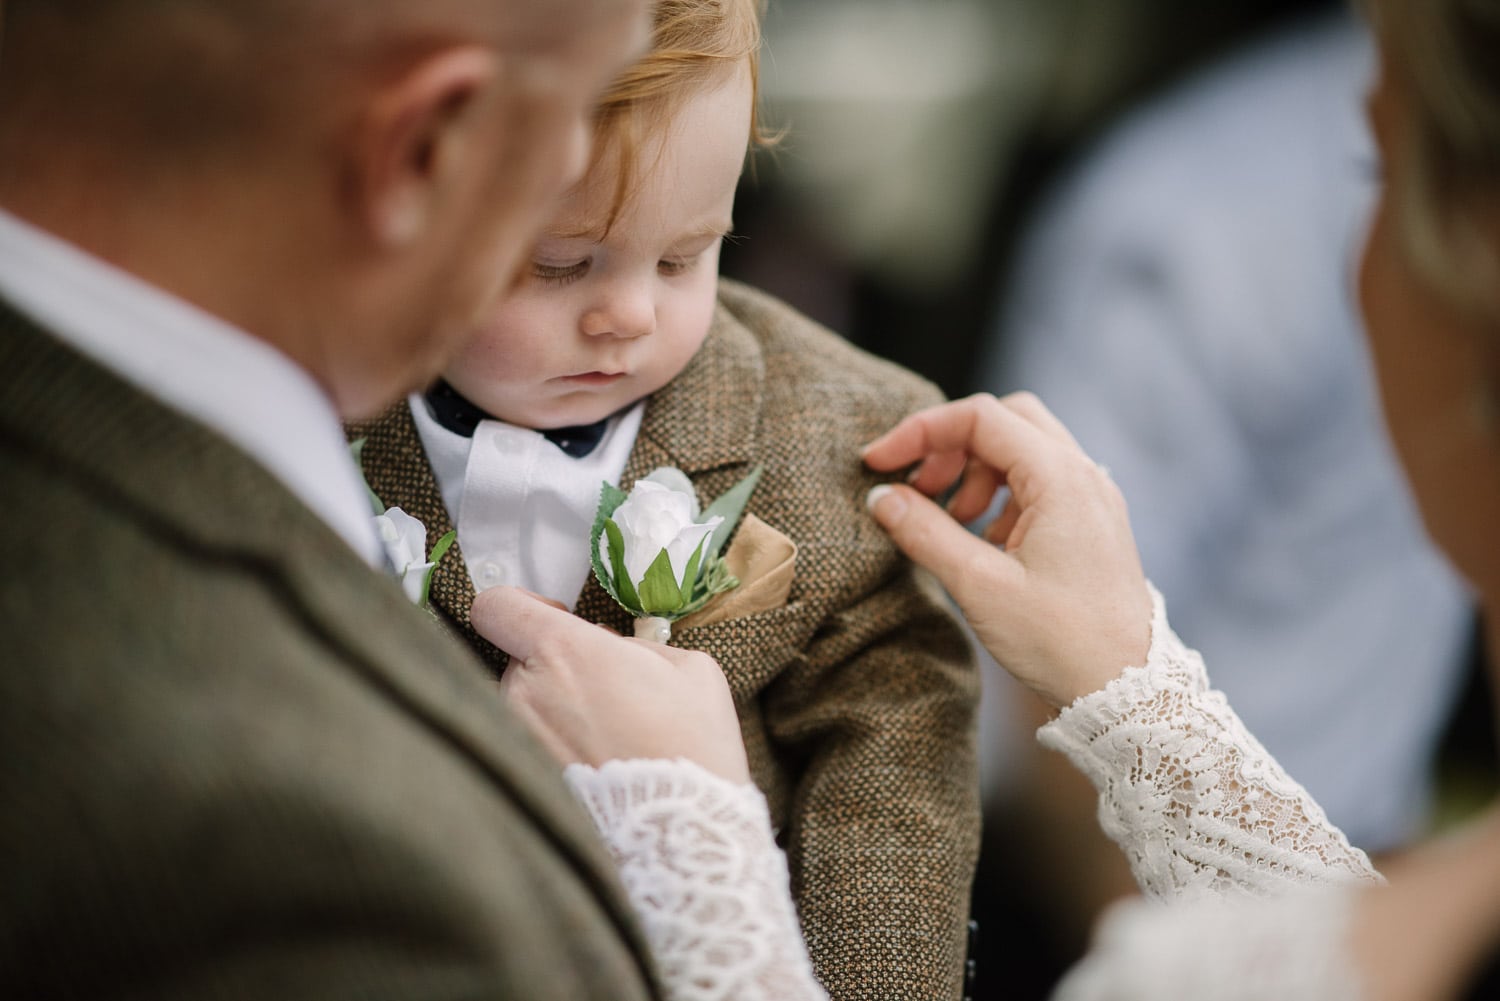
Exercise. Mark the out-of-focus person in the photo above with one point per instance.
(235, 760)
(1185, 304)
(1058, 604)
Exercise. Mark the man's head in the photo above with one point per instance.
(620, 292)
(352, 181)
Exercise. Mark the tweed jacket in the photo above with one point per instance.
(236, 762)
(857, 699)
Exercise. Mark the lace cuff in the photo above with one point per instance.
(1191, 797)
(700, 864)
(1294, 947)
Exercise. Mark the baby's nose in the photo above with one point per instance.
(627, 310)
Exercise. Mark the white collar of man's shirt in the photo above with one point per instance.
(523, 507)
(235, 384)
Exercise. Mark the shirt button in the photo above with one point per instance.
(490, 574)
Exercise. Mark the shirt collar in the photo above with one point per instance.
(217, 374)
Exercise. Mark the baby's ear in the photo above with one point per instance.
(408, 148)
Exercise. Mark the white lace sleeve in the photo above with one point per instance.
(1194, 801)
(700, 864)
(1293, 947)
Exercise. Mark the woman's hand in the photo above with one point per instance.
(592, 696)
(1438, 922)
(1064, 605)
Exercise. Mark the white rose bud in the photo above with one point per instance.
(655, 552)
(405, 541)
(657, 517)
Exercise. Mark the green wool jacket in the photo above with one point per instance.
(235, 762)
(858, 697)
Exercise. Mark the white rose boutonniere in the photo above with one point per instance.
(657, 553)
(405, 542)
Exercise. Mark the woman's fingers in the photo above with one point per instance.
(974, 495)
(1030, 407)
(932, 538)
(1000, 530)
(1014, 442)
(1064, 606)
(938, 472)
(979, 425)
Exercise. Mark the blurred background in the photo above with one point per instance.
(1150, 212)
(921, 133)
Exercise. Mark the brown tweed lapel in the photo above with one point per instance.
(708, 417)
(705, 423)
(396, 468)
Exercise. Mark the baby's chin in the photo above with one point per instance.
(567, 413)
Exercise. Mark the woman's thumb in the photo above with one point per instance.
(930, 536)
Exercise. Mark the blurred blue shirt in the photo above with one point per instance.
(1185, 303)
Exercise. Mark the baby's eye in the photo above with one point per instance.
(559, 274)
(675, 265)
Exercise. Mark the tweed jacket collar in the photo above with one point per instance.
(182, 482)
(705, 420)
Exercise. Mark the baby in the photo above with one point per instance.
(621, 350)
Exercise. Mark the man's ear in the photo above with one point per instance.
(409, 141)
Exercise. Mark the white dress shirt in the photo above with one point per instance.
(220, 376)
(524, 508)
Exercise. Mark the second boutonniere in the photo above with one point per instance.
(405, 541)
(658, 554)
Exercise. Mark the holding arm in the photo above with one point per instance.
(1060, 600)
(652, 747)
(1064, 607)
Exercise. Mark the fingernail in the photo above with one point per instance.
(892, 504)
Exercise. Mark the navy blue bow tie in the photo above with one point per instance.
(461, 417)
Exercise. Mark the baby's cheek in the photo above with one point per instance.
(507, 345)
(683, 346)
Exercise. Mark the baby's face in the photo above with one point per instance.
(597, 324)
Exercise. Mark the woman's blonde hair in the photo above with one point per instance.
(1448, 55)
(694, 44)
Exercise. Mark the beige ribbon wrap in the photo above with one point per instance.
(765, 561)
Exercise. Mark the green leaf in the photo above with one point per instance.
(610, 499)
(441, 549)
(690, 575)
(436, 556)
(660, 594)
(619, 587)
(731, 507)
(357, 446)
(714, 579)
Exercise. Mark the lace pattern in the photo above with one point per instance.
(1191, 797)
(1292, 947)
(1199, 807)
(700, 864)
